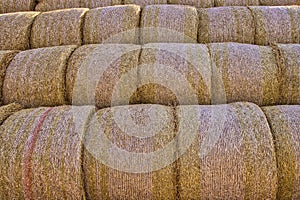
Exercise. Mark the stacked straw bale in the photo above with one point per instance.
(290, 66)
(8, 110)
(196, 3)
(41, 154)
(37, 77)
(172, 74)
(5, 58)
(232, 156)
(114, 24)
(9, 6)
(247, 72)
(15, 30)
(169, 23)
(226, 24)
(236, 3)
(285, 125)
(144, 3)
(95, 72)
(121, 180)
(56, 28)
(276, 24)
(279, 2)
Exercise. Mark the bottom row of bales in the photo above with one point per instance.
(150, 152)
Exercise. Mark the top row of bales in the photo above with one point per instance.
(153, 24)
(7, 6)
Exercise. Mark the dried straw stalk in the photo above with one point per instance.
(8, 110)
(285, 125)
(15, 30)
(56, 28)
(232, 156)
(236, 2)
(114, 24)
(37, 77)
(144, 3)
(248, 72)
(9, 6)
(226, 24)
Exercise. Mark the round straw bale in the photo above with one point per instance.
(56, 28)
(226, 24)
(127, 165)
(37, 77)
(276, 24)
(41, 154)
(279, 2)
(232, 155)
(15, 30)
(285, 125)
(96, 72)
(144, 3)
(169, 23)
(196, 3)
(236, 3)
(290, 67)
(6, 111)
(248, 72)
(9, 6)
(114, 24)
(172, 74)
(5, 58)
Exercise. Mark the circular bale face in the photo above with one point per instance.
(144, 3)
(7, 110)
(236, 3)
(10, 6)
(248, 72)
(196, 3)
(126, 154)
(169, 23)
(114, 24)
(37, 77)
(41, 154)
(226, 24)
(15, 30)
(232, 155)
(285, 125)
(57, 28)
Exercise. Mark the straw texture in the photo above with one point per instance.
(15, 30)
(169, 23)
(232, 156)
(56, 28)
(279, 2)
(276, 24)
(236, 2)
(226, 24)
(114, 24)
(7, 110)
(9, 6)
(41, 153)
(172, 74)
(5, 58)
(95, 73)
(290, 66)
(285, 125)
(37, 77)
(248, 72)
(110, 182)
(196, 3)
(144, 3)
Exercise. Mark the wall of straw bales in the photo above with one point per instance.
(41, 154)
(5, 58)
(276, 24)
(226, 24)
(15, 30)
(285, 125)
(232, 156)
(196, 3)
(9, 6)
(7, 110)
(115, 24)
(172, 74)
(106, 182)
(144, 3)
(37, 77)
(55, 28)
(169, 23)
(94, 74)
(236, 3)
(289, 60)
(248, 72)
